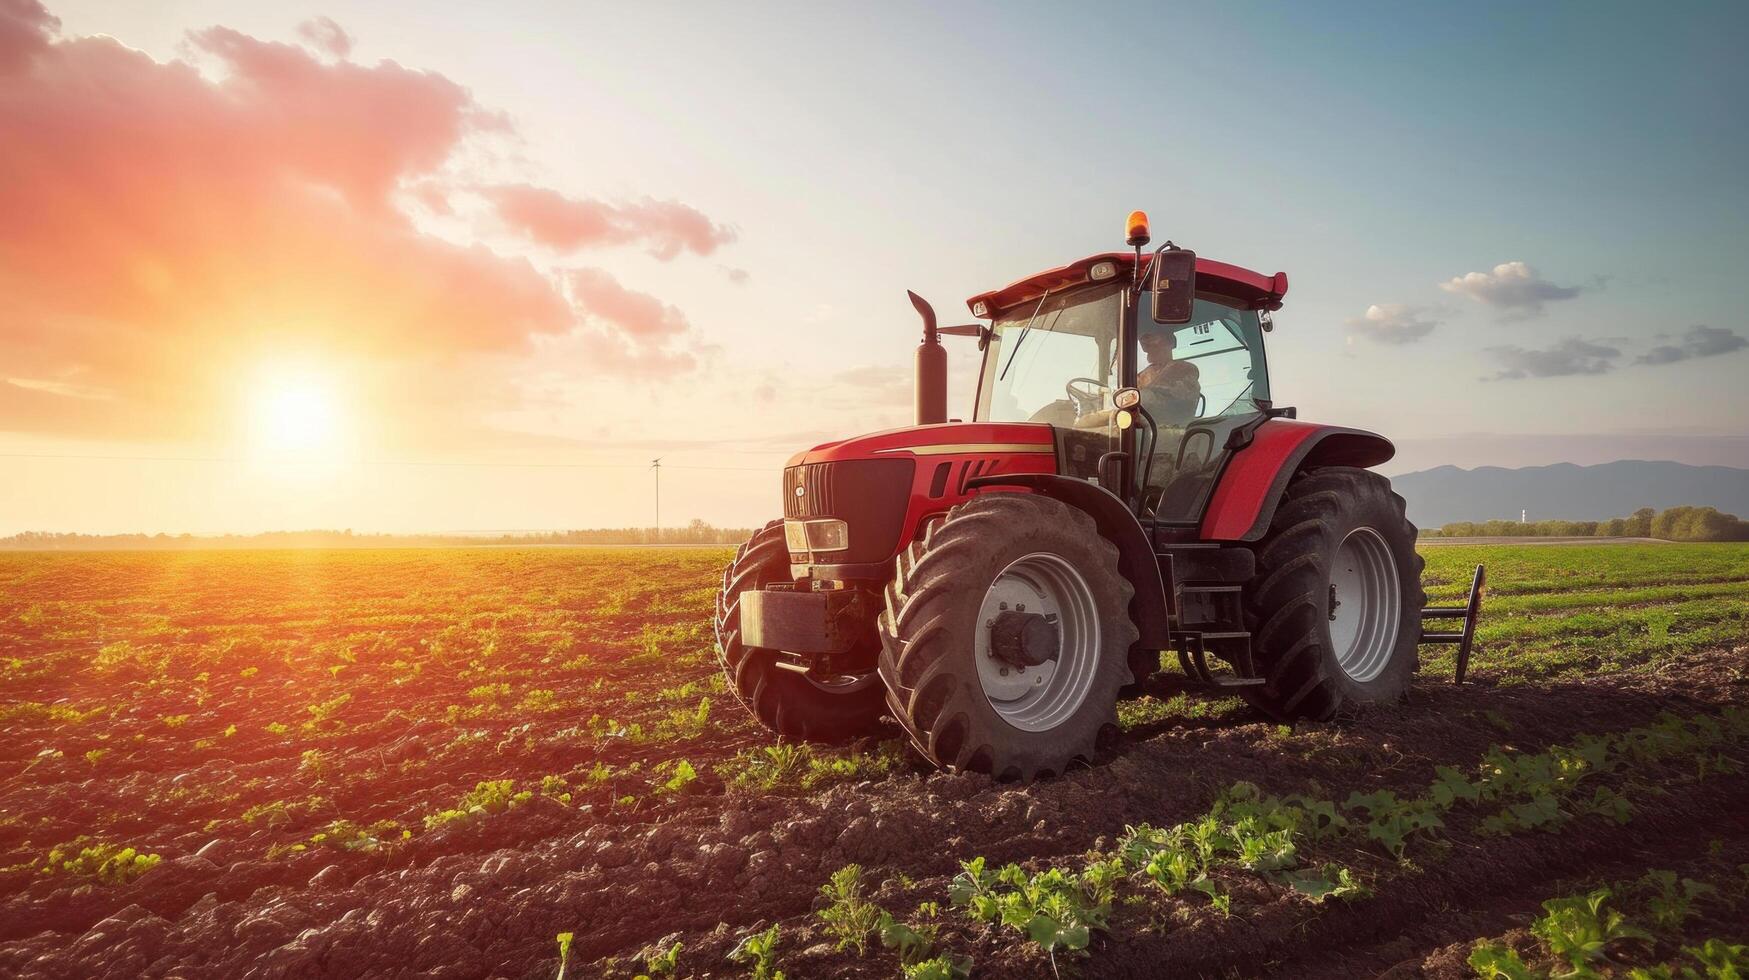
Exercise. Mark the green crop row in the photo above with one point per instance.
(1607, 930)
(1246, 832)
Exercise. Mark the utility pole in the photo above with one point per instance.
(656, 470)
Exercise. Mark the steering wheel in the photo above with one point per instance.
(1085, 401)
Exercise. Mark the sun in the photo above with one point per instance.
(296, 414)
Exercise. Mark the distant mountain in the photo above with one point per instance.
(1565, 491)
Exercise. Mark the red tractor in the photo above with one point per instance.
(1126, 486)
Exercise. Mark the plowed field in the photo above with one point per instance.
(433, 763)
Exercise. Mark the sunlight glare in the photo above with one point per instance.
(296, 415)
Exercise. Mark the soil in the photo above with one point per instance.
(487, 898)
(151, 661)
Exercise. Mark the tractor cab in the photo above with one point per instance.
(1125, 487)
(1062, 344)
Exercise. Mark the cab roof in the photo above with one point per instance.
(1246, 289)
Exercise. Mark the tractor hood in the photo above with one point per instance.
(944, 440)
(881, 485)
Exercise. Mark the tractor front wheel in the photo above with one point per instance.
(1004, 638)
(1335, 607)
(795, 706)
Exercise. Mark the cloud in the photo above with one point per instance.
(326, 36)
(165, 227)
(1570, 356)
(626, 330)
(1393, 323)
(665, 228)
(1697, 341)
(1512, 286)
(637, 315)
(25, 26)
(738, 276)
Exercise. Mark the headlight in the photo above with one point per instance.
(828, 536)
(816, 535)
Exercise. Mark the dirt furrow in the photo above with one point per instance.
(488, 898)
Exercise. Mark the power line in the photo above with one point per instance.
(373, 462)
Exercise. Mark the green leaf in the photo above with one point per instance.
(1452, 787)
(1493, 962)
(1043, 929)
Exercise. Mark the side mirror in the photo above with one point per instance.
(1174, 285)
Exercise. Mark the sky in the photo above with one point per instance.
(463, 267)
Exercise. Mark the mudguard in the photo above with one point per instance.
(1135, 552)
(1244, 500)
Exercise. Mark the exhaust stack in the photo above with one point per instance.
(931, 367)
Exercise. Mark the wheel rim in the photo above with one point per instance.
(1366, 604)
(1040, 698)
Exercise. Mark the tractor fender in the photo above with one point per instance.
(1248, 489)
(1135, 553)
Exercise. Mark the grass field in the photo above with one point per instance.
(310, 763)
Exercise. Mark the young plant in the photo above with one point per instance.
(564, 953)
(1493, 961)
(759, 951)
(684, 775)
(944, 967)
(665, 963)
(487, 797)
(108, 863)
(1392, 822)
(662, 963)
(849, 916)
(1056, 909)
(1329, 881)
(1580, 929)
(1668, 901)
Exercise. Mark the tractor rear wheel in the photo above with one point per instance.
(1334, 609)
(1005, 635)
(795, 706)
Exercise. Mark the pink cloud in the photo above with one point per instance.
(665, 228)
(637, 315)
(25, 27)
(326, 36)
(158, 224)
(628, 331)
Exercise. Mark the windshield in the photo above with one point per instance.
(1052, 360)
(1222, 344)
(1055, 360)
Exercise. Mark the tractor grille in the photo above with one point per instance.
(868, 494)
(808, 490)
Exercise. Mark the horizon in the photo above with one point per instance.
(276, 266)
(684, 525)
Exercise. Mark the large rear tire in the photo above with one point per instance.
(964, 707)
(793, 705)
(1334, 609)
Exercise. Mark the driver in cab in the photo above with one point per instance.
(1170, 388)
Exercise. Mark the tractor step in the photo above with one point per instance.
(1469, 612)
(1209, 606)
(1193, 658)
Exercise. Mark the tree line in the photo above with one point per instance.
(1672, 524)
(696, 533)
